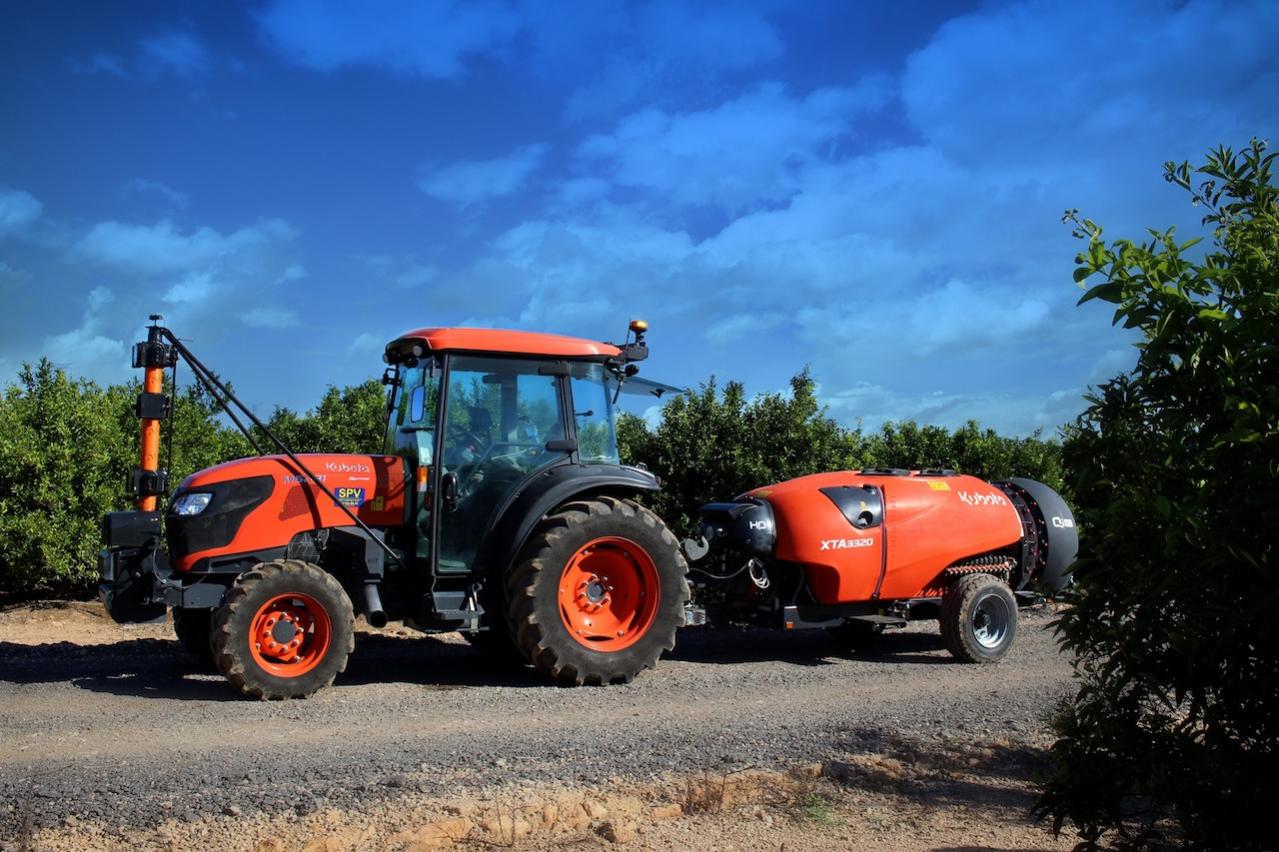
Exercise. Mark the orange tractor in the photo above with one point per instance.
(498, 508)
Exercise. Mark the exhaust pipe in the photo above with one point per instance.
(373, 612)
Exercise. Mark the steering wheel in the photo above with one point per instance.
(458, 431)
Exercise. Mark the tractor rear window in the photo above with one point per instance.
(593, 411)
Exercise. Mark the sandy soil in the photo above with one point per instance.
(110, 741)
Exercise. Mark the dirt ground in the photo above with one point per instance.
(741, 740)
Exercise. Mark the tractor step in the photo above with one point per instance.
(694, 615)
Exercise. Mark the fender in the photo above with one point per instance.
(542, 493)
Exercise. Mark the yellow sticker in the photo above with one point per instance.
(376, 504)
(938, 485)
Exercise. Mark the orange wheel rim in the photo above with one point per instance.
(608, 594)
(290, 635)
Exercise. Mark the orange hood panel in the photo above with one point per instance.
(373, 487)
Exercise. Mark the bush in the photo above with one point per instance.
(63, 462)
(1174, 465)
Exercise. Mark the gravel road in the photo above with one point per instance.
(127, 732)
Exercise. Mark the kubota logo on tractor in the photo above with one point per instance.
(344, 467)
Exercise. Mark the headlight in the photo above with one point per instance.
(191, 504)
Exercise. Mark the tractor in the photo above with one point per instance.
(498, 508)
(864, 551)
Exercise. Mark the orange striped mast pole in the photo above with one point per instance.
(153, 356)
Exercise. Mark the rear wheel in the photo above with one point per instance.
(285, 630)
(598, 593)
(978, 618)
(194, 628)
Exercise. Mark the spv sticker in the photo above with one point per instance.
(349, 496)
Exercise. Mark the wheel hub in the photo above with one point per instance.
(593, 593)
(281, 630)
(991, 620)
(606, 593)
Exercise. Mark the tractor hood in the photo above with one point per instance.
(257, 505)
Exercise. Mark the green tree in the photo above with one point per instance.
(63, 463)
(1176, 649)
(347, 420)
(713, 446)
(969, 449)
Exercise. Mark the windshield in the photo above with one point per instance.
(410, 430)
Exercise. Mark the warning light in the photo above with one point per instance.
(639, 326)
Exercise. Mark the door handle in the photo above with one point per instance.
(448, 491)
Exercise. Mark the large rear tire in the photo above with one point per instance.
(285, 630)
(978, 618)
(194, 628)
(598, 592)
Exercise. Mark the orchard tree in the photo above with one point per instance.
(1176, 645)
(63, 463)
(713, 446)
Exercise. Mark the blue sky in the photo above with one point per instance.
(873, 191)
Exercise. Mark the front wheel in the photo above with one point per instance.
(285, 630)
(598, 592)
(978, 618)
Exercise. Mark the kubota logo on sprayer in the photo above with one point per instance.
(976, 499)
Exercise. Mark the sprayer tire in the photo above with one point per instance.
(631, 565)
(311, 602)
(978, 618)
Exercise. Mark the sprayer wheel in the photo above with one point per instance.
(284, 630)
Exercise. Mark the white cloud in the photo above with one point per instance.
(654, 50)
(292, 272)
(1009, 413)
(179, 52)
(737, 326)
(744, 152)
(161, 248)
(472, 181)
(366, 343)
(174, 198)
(271, 318)
(427, 38)
(193, 289)
(86, 350)
(102, 63)
(18, 209)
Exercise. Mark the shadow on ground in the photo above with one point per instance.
(157, 668)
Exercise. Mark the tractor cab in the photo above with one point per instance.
(474, 427)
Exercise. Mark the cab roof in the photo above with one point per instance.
(504, 341)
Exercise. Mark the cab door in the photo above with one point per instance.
(504, 420)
